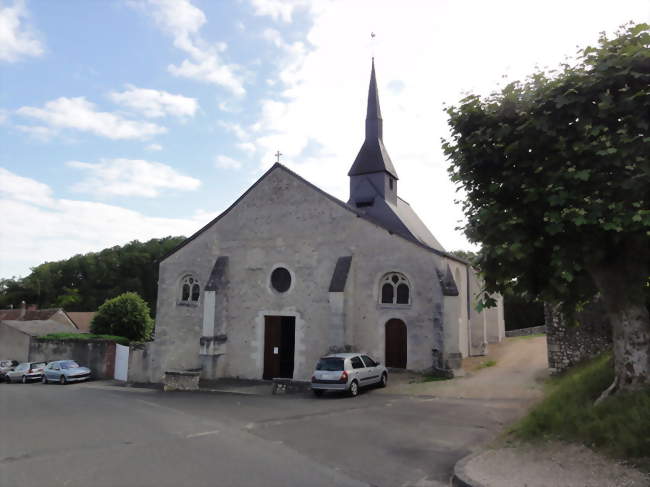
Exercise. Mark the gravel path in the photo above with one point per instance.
(553, 464)
(521, 366)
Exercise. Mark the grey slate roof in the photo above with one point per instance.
(447, 282)
(372, 156)
(416, 227)
(217, 275)
(340, 275)
(40, 327)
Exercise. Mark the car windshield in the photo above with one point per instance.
(330, 363)
(38, 365)
(69, 364)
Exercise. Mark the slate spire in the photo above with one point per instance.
(374, 123)
(373, 157)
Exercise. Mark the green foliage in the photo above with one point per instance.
(468, 255)
(521, 311)
(556, 171)
(619, 425)
(84, 337)
(127, 315)
(83, 282)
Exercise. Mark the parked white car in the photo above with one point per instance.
(26, 372)
(347, 372)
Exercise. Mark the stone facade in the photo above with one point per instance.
(274, 225)
(289, 273)
(569, 345)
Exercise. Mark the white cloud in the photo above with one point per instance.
(155, 103)
(130, 177)
(183, 21)
(277, 9)
(44, 228)
(154, 147)
(38, 131)
(316, 117)
(225, 162)
(235, 129)
(80, 114)
(247, 147)
(16, 39)
(23, 189)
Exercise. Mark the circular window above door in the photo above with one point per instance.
(281, 279)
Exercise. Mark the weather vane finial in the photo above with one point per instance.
(372, 38)
(277, 156)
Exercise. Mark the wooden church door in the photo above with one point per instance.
(279, 346)
(396, 344)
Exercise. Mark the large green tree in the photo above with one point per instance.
(556, 171)
(126, 315)
(83, 282)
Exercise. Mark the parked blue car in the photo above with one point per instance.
(64, 371)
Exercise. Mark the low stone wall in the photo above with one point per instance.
(533, 330)
(571, 344)
(140, 363)
(97, 355)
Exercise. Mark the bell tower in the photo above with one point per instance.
(372, 174)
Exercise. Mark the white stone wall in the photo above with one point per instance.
(284, 222)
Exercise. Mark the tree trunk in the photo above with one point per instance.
(621, 288)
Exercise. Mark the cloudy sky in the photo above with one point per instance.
(133, 119)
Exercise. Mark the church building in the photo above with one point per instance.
(289, 273)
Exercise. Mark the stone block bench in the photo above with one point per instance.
(181, 380)
(283, 385)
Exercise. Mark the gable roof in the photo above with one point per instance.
(29, 314)
(278, 166)
(81, 319)
(39, 327)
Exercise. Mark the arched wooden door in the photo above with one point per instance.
(396, 344)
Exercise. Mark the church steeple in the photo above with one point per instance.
(374, 123)
(372, 170)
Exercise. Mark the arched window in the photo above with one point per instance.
(190, 289)
(395, 289)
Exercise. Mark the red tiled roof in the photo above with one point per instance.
(82, 319)
(30, 315)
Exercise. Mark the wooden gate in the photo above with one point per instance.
(396, 344)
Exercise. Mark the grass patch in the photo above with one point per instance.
(85, 337)
(432, 378)
(487, 363)
(618, 426)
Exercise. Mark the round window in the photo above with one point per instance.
(281, 279)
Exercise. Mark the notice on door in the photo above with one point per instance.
(275, 350)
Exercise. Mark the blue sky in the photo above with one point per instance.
(133, 119)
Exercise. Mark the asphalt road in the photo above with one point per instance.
(95, 434)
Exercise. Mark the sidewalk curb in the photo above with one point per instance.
(460, 477)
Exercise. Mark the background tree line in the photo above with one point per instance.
(84, 282)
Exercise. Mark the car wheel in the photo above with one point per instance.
(318, 392)
(63, 380)
(24, 380)
(384, 380)
(354, 389)
(44, 379)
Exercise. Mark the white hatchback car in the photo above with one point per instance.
(347, 372)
